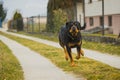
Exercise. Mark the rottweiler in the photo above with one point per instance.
(70, 37)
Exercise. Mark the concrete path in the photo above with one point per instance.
(35, 66)
(111, 60)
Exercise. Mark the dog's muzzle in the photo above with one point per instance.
(74, 30)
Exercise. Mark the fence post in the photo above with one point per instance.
(32, 24)
(39, 22)
(27, 24)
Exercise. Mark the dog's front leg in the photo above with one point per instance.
(70, 56)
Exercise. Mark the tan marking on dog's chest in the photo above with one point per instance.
(74, 44)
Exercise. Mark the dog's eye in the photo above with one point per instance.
(71, 23)
(75, 23)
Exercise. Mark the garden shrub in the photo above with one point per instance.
(18, 21)
(59, 19)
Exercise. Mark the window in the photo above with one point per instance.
(101, 20)
(91, 21)
(110, 20)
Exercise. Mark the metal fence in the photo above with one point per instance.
(34, 24)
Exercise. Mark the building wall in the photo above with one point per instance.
(116, 24)
(42, 20)
(94, 10)
(95, 22)
(80, 13)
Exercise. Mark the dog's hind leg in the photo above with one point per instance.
(79, 52)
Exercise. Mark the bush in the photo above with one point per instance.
(9, 24)
(59, 19)
(18, 21)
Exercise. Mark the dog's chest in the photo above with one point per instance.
(74, 44)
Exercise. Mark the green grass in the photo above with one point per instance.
(106, 35)
(101, 47)
(43, 35)
(10, 68)
(87, 68)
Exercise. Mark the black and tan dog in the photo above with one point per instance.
(70, 37)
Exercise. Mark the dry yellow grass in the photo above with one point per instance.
(10, 68)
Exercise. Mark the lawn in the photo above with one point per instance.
(106, 35)
(10, 68)
(87, 68)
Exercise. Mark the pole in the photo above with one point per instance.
(83, 10)
(32, 25)
(39, 22)
(103, 18)
(27, 24)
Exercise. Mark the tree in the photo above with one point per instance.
(59, 19)
(18, 21)
(68, 6)
(3, 12)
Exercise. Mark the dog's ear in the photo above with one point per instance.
(67, 23)
(78, 24)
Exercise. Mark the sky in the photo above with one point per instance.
(26, 7)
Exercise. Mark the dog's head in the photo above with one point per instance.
(73, 27)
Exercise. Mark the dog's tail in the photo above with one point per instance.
(83, 27)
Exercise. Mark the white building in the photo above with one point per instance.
(93, 14)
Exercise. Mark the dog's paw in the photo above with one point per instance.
(82, 52)
(77, 57)
(73, 64)
(66, 58)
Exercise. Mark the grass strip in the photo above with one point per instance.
(101, 47)
(10, 68)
